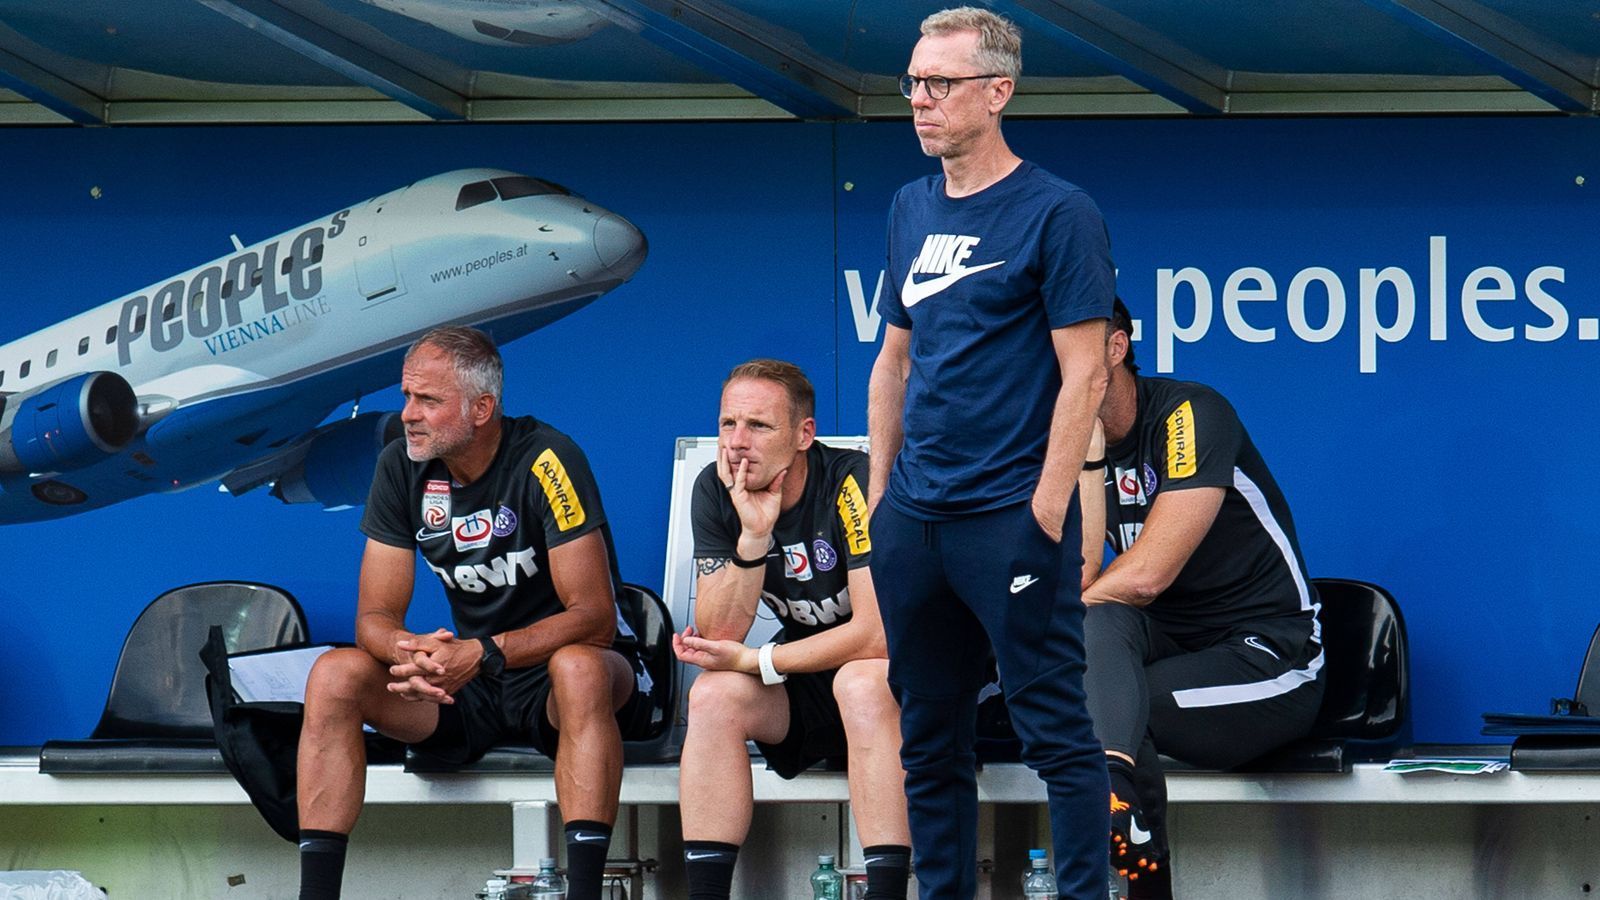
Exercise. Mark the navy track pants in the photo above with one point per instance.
(947, 590)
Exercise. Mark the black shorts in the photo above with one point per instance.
(511, 709)
(816, 732)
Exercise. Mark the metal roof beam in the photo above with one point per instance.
(60, 96)
(350, 59)
(1139, 54)
(726, 43)
(1521, 56)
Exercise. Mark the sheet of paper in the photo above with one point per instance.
(274, 676)
(1449, 766)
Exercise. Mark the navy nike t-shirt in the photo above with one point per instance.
(981, 281)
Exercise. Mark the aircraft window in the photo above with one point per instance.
(316, 255)
(255, 277)
(2, 376)
(138, 323)
(50, 359)
(196, 302)
(516, 186)
(227, 289)
(22, 370)
(83, 346)
(288, 263)
(111, 335)
(169, 311)
(473, 194)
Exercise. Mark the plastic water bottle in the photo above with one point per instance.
(549, 884)
(493, 889)
(1113, 885)
(1040, 883)
(827, 883)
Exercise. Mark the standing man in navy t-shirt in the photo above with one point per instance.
(982, 402)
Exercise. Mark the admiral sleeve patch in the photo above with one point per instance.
(1182, 456)
(853, 515)
(564, 503)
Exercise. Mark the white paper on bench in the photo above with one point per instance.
(276, 675)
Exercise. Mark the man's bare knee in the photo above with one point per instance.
(580, 683)
(340, 677)
(861, 688)
(580, 668)
(722, 697)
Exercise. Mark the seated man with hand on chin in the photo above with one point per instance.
(781, 520)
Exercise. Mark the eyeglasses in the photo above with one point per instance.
(938, 86)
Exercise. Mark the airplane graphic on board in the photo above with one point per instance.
(520, 23)
(225, 371)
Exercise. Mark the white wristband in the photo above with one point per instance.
(769, 675)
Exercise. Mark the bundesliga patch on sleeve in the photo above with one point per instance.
(1182, 461)
(558, 490)
(853, 513)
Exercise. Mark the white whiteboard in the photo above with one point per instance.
(677, 587)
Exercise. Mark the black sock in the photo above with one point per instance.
(888, 871)
(709, 865)
(321, 863)
(1120, 771)
(588, 843)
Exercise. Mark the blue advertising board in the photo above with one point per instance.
(1402, 310)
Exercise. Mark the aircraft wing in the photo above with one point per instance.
(331, 465)
(267, 469)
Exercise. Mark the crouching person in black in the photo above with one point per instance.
(1202, 636)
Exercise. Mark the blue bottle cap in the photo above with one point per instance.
(1038, 854)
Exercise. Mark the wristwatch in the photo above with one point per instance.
(493, 661)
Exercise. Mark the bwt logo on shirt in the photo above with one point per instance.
(823, 612)
(498, 572)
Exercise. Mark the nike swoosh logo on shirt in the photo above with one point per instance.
(1137, 834)
(1253, 641)
(915, 292)
(424, 534)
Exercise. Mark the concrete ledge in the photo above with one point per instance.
(22, 784)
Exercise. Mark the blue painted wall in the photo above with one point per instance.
(1455, 472)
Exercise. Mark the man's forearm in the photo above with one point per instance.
(886, 400)
(1119, 583)
(595, 626)
(726, 599)
(379, 633)
(830, 649)
(1071, 425)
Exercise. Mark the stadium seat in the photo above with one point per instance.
(652, 622)
(157, 717)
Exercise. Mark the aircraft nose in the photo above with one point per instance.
(620, 246)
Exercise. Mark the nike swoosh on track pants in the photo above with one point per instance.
(942, 586)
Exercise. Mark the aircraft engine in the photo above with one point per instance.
(339, 461)
(67, 425)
